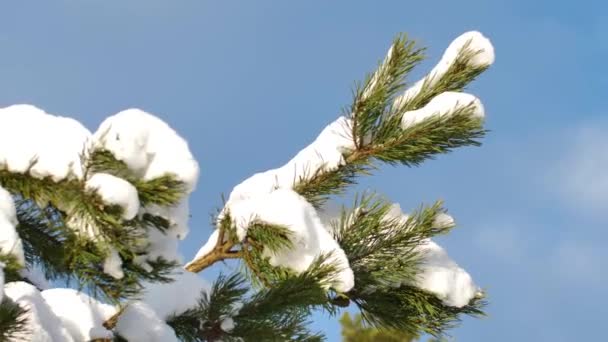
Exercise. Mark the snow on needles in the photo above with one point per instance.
(152, 149)
(81, 315)
(268, 197)
(48, 145)
(9, 239)
(148, 146)
(439, 274)
(444, 104)
(325, 154)
(117, 191)
(159, 302)
(310, 238)
(55, 147)
(42, 324)
(470, 42)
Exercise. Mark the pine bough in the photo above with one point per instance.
(103, 212)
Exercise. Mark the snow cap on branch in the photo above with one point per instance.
(444, 104)
(310, 238)
(159, 302)
(112, 265)
(115, 191)
(441, 276)
(148, 146)
(323, 155)
(140, 323)
(43, 144)
(42, 324)
(163, 298)
(82, 315)
(472, 42)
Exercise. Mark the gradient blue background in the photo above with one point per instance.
(248, 83)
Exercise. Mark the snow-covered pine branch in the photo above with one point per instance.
(107, 210)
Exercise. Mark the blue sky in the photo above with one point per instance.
(248, 83)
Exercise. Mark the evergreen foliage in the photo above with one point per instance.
(381, 252)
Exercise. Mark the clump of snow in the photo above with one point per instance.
(268, 196)
(161, 245)
(444, 104)
(227, 324)
(140, 323)
(148, 146)
(42, 324)
(177, 216)
(441, 276)
(152, 149)
(112, 265)
(43, 152)
(395, 213)
(162, 298)
(10, 242)
(116, 191)
(325, 154)
(443, 220)
(310, 237)
(81, 315)
(472, 42)
(159, 302)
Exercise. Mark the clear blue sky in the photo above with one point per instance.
(248, 83)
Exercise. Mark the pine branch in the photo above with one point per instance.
(279, 313)
(413, 310)
(10, 267)
(371, 240)
(13, 321)
(163, 191)
(64, 255)
(377, 130)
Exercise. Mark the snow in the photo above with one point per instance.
(175, 297)
(9, 239)
(161, 245)
(473, 41)
(81, 315)
(441, 276)
(177, 216)
(310, 237)
(395, 213)
(208, 246)
(152, 149)
(158, 303)
(115, 191)
(148, 146)
(112, 265)
(227, 325)
(324, 154)
(56, 155)
(268, 196)
(444, 104)
(140, 323)
(443, 220)
(43, 325)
